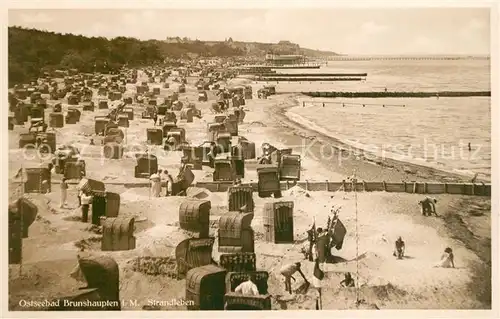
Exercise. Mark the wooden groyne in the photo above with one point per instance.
(314, 74)
(348, 104)
(398, 94)
(306, 79)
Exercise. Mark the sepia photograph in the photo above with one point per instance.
(273, 158)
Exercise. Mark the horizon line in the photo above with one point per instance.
(233, 40)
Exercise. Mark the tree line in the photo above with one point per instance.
(32, 52)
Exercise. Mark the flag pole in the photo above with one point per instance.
(320, 299)
(22, 222)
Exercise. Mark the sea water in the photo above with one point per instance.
(429, 131)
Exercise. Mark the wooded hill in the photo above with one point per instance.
(33, 51)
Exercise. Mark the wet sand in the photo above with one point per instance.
(345, 159)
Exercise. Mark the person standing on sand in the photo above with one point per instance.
(64, 192)
(447, 259)
(154, 178)
(400, 248)
(169, 183)
(212, 154)
(85, 201)
(155, 118)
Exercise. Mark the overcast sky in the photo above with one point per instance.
(343, 30)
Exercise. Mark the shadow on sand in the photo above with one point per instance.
(335, 260)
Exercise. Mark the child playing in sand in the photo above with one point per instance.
(447, 259)
(348, 281)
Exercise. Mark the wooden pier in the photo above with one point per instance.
(398, 94)
(403, 58)
(305, 66)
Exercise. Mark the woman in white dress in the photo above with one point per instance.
(155, 182)
(447, 259)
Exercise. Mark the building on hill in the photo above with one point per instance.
(276, 59)
(173, 40)
(286, 48)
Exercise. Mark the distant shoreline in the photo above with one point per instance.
(373, 168)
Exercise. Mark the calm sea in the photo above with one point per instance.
(428, 131)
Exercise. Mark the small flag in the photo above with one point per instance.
(318, 273)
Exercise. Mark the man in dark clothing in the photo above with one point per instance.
(213, 153)
(400, 248)
(85, 199)
(169, 183)
(155, 117)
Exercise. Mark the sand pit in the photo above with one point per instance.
(50, 251)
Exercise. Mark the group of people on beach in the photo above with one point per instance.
(320, 240)
(84, 199)
(157, 180)
(428, 206)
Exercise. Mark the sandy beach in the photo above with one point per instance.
(56, 237)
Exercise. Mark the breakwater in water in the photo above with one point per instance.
(295, 66)
(306, 79)
(314, 74)
(398, 94)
